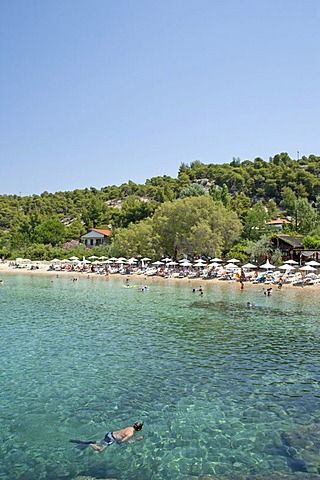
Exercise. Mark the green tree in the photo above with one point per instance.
(203, 241)
(260, 250)
(255, 221)
(50, 231)
(289, 200)
(175, 224)
(74, 230)
(239, 251)
(193, 190)
(225, 196)
(240, 203)
(272, 209)
(40, 252)
(215, 192)
(311, 242)
(135, 209)
(135, 240)
(305, 216)
(276, 257)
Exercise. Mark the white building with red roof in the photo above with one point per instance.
(96, 237)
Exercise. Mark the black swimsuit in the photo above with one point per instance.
(108, 439)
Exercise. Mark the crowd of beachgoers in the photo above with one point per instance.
(290, 272)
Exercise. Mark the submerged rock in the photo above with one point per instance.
(302, 448)
(85, 477)
(306, 476)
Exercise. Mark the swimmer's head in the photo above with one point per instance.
(138, 426)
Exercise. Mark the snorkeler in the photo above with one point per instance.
(120, 436)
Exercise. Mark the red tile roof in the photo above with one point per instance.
(279, 221)
(107, 233)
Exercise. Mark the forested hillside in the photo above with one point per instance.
(206, 210)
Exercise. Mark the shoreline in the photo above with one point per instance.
(43, 270)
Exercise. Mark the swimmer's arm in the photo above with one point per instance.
(135, 439)
(124, 439)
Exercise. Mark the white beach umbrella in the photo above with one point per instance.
(157, 263)
(307, 268)
(214, 264)
(101, 258)
(216, 259)
(56, 260)
(185, 263)
(85, 261)
(173, 264)
(267, 265)
(233, 260)
(74, 258)
(231, 266)
(313, 263)
(113, 259)
(200, 264)
(131, 261)
(166, 260)
(249, 265)
(145, 260)
(93, 257)
(286, 267)
(291, 262)
(121, 260)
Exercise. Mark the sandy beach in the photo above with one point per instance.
(42, 269)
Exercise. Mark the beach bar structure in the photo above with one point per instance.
(291, 248)
(96, 237)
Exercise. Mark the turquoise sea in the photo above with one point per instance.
(222, 390)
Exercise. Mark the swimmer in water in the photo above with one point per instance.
(119, 436)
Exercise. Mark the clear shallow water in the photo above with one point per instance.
(215, 383)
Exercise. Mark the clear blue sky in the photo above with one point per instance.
(99, 92)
